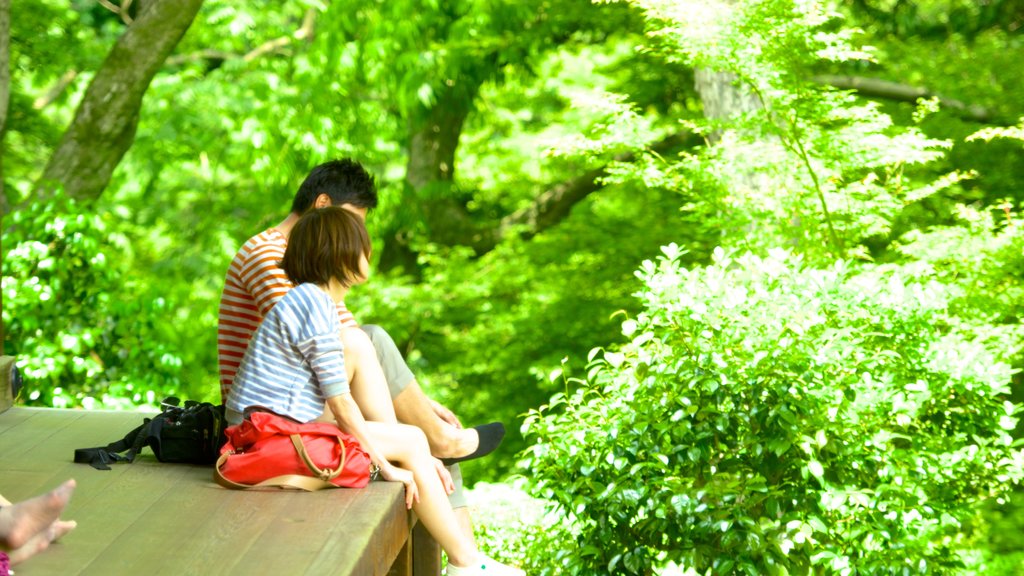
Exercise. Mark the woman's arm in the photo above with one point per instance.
(350, 419)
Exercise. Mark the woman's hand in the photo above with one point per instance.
(393, 473)
(445, 476)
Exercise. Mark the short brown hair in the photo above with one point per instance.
(326, 243)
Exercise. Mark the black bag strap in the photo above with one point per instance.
(101, 456)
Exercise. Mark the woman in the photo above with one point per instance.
(302, 364)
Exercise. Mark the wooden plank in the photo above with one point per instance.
(107, 505)
(196, 528)
(402, 566)
(24, 435)
(230, 534)
(14, 418)
(37, 444)
(376, 525)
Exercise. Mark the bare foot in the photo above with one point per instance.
(60, 528)
(42, 540)
(20, 523)
(475, 442)
(458, 442)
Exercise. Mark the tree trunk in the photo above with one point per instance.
(104, 125)
(721, 97)
(430, 173)
(429, 178)
(5, 97)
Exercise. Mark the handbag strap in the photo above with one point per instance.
(326, 473)
(295, 481)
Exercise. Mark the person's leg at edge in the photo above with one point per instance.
(369, 380)
(20, 522)
(407, 446)
(412, 406)
(41, 541)
(366, 378)
(459, 503)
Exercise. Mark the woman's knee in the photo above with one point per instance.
(406, 444)
(414, 436)
(357, 343)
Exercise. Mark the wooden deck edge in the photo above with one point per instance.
(400, 545)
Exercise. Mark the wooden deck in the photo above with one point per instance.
(154, 518)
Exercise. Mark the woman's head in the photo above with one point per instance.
(327, 243)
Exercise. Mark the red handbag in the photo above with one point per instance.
(268, 450)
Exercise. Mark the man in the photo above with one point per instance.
(254, 283)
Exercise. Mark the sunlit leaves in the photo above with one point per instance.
(84, 331)
(823, 417)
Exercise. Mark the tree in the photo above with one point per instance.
(528, 156)
(104, 125)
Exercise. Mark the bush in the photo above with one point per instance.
(770, 418)
(86, 329)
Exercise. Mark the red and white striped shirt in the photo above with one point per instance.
(254, 283)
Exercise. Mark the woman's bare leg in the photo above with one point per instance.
(407, 446)
(365, 378)
(370, 391)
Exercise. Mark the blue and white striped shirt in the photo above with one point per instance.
(295, 360)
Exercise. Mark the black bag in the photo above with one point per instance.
(191, 434)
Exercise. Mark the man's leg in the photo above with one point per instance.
(412, 406)
(460, 504)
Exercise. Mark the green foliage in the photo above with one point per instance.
(940, 17)
(838, 457)
(85, 333)
(554, 89)
(484, 334)
(771, 418)
(804, 164)
(508, 523)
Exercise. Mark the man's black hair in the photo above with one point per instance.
(345, 181)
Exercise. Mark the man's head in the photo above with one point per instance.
(336, 183)
(327, 243)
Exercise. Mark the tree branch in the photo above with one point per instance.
(56, 90)
(103, 128)
(210, 55)
(121, 11)
(304, 32)
(554, 205)
(874, 88)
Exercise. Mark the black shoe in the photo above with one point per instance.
(491, 436)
